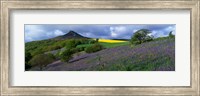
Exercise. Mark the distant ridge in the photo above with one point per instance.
(70, 35)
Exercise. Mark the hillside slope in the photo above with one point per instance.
(42, 46)
(70, 35)
(151, 56)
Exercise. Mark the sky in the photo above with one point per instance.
(35, 32)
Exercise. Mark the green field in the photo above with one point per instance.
(106, 45)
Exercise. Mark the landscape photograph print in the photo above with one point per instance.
(99, 47)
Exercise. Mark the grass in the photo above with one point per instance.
(112, 45)
(158, 55)
(84, 45)
(106, 45)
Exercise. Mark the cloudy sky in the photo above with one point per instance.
(108, 31)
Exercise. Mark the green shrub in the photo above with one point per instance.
(37, 51)
(71, 44)
(27, 56)
(57, 55)
(136, 42)
(91, 42)
(41, 60)
(55, 47)
(83, 41)
(86, 41)
(66, 55)
(94, 48)
(81, 49)
(51, 56)
(75, 50)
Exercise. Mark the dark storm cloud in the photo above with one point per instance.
(108, 31)
(93, 31)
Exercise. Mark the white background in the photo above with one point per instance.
(180, 77)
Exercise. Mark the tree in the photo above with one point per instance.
(141, 36)
(97, 40)
(27, 56)
(41, 60)
(170, 34)
(92, 41)
(27, 59)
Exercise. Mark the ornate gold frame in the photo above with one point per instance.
(8, 5)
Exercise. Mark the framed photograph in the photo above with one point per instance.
(73, 47)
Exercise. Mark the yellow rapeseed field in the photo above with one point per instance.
(111, 41)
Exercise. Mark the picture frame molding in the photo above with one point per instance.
(8, 5)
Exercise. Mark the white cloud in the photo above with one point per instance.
(40, 32)
(28, 39)
(170, 28)
(135, 30)
(158, 33)
(114, 34)
(58, 33)
(49, 34)
(118, 31)
(35, 32)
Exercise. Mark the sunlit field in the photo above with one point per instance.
(111, 41)
(106, 43)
